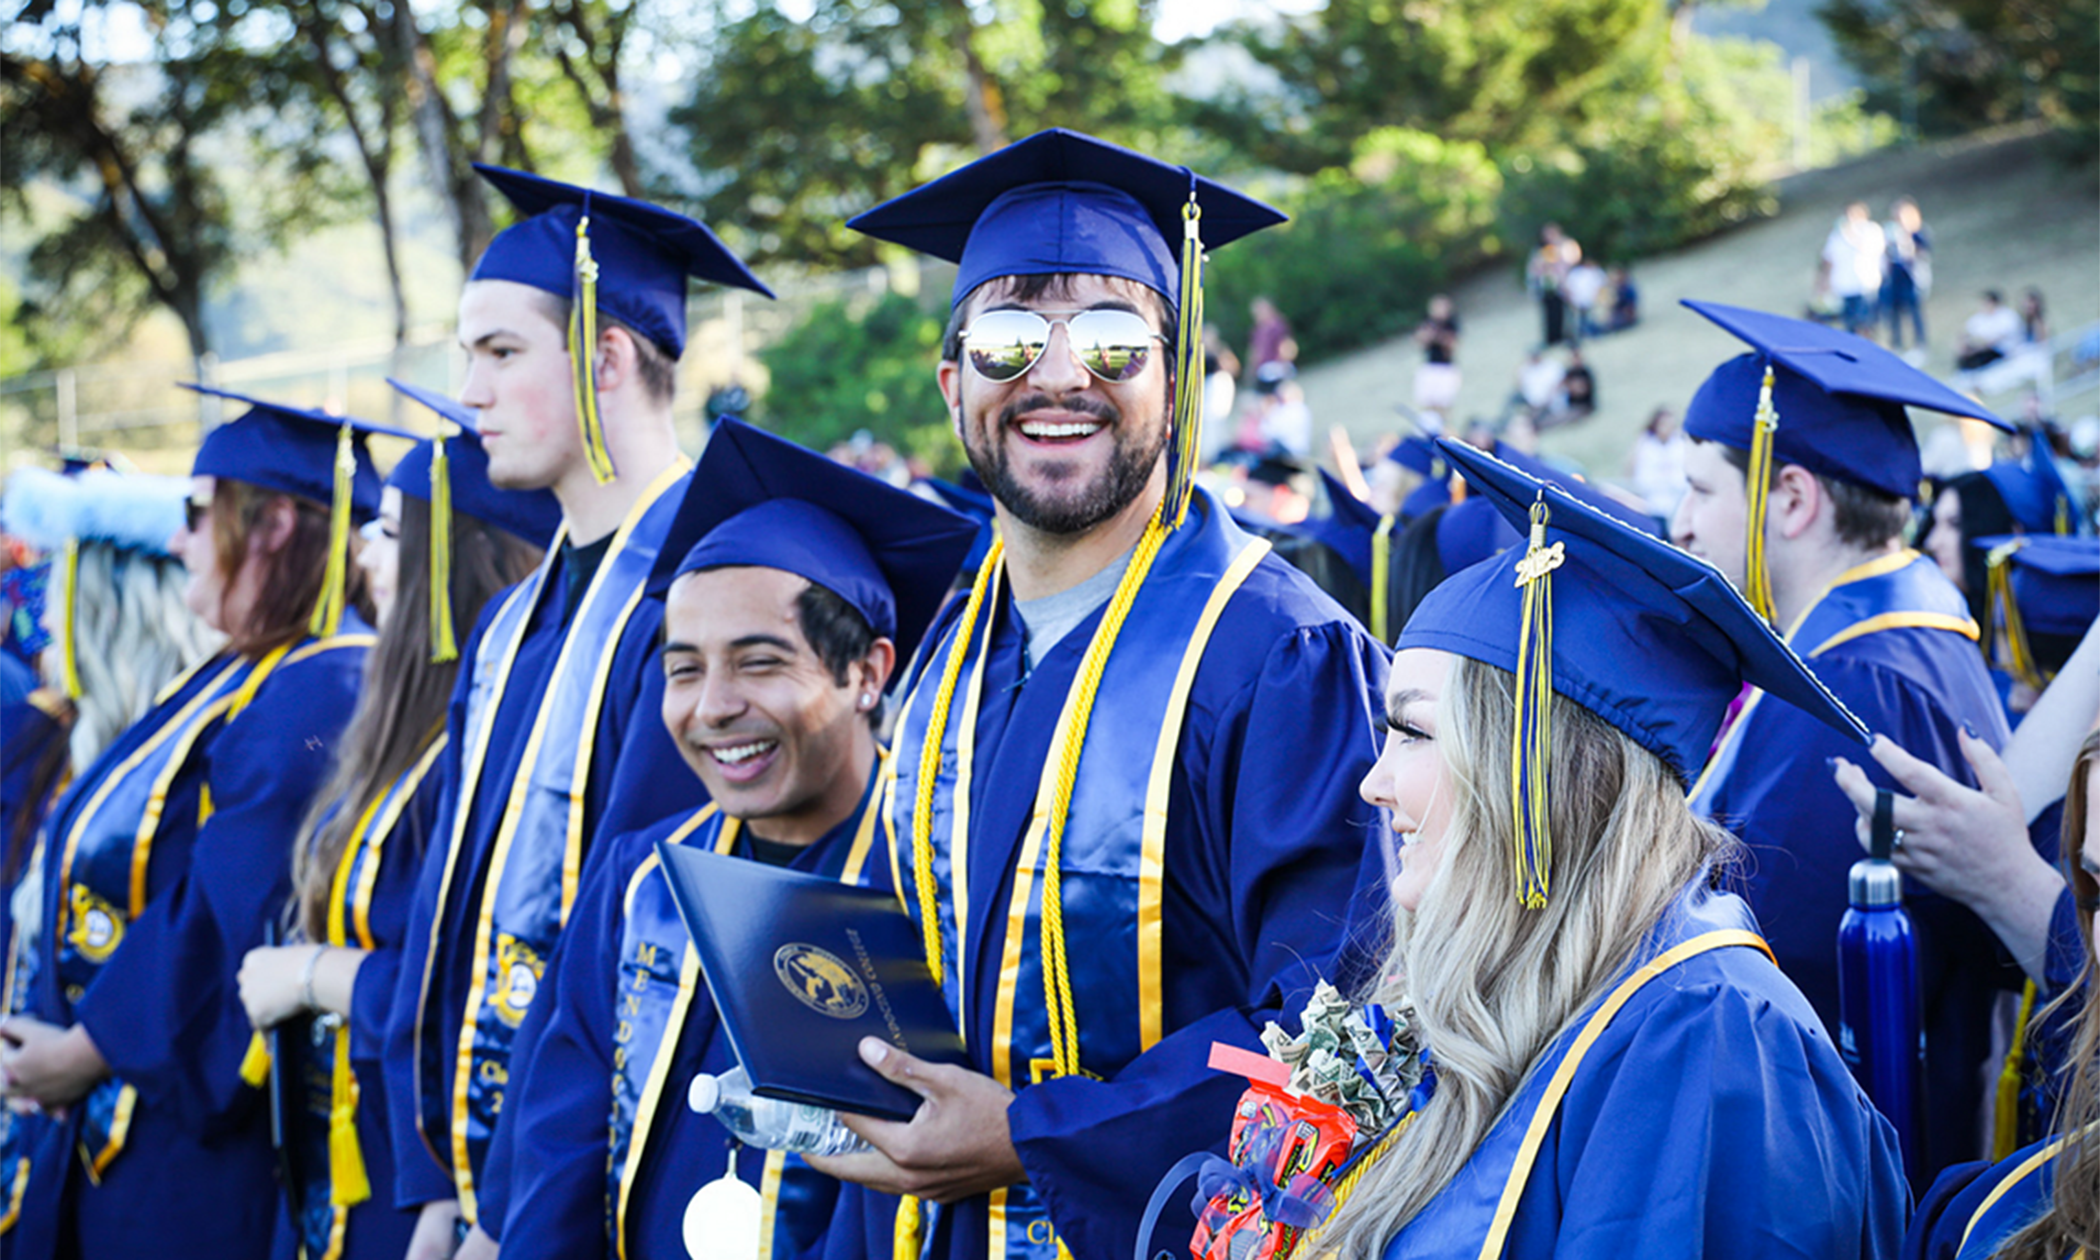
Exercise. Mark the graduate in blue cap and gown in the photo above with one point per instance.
(573, 321)
(1802, 466)
(793, 588)
(166, 862)
(1619, 1067)
(444, 543)
(1124, 815)
(2041, 1202)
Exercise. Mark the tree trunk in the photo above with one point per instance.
(981, 98)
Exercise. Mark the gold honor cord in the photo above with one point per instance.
(444, 642)
(2006, 1120)
(1531, 757)
(583, 345)
(69, 609)
(1188, 367)
(930, 758)
(2019, 653)
(1381, 576)
(1758, 484)
(328, 609)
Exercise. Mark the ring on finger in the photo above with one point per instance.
(1897, 842)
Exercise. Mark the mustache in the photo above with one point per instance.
(1099, 408)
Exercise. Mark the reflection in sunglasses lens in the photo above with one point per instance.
(1114, 345)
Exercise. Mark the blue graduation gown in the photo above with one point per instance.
(559, 1190)
(28, 735)
(1770, 783)
(1264, 834)
(635, 777)
(1712, 1117)
(1959, 1219)
(376, 905)
(194, 1174)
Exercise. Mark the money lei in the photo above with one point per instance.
(1367, 1062)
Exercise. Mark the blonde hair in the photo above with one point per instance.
(1492, 983)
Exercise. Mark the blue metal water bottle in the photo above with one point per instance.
(1879, 1030)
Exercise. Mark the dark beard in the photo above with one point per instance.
(1130, 465)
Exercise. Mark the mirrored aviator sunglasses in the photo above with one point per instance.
(1114, 345)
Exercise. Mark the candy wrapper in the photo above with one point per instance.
(1317, 1101)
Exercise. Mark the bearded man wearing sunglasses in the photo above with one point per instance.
(1125, 817)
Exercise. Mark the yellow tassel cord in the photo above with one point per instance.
(255, 1063)
(69, 609)
(1758, 484)
(1188, 369)
(328, 610)
(1381, 577)
(2017, 654)
(2005, 1129)
(583, 346)
(1531, 757)
(444, 644)
(2063, 513)
(904, 1242)
(347, 1184)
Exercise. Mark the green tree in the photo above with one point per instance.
(845, 367)
(797, 123)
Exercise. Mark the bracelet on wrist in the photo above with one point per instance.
(306, 979)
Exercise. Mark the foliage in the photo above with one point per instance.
(1505, 73)
(845, 367)
(1978, 62)
(1367, 245)
(796, 123)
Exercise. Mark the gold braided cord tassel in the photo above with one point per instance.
(328, 609)
(1188, 369)
(69, 609)
(1381, 577)
(2005, 1121)
(1758, 484)
(904, 1240)
(930, 757)
(2018, 652)
(583, 345)
(444, 644)
(348, 1185)
(1531, 756)
(1057, 974)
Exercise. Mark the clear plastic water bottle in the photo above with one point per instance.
(770, 1123)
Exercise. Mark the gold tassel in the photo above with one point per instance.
(1381, 576)
(2018, 653)
(444, 645)
(69, 611)
(1531, 757)
(328, 609)
(1758, 484)
(255, 1064)
(904, 1242)
(583, 345)
(2005, 1137)
(347, 1183)
(1188, 368)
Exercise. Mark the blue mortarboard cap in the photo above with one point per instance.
(1347, 527)
(1647, 637)
(644, 253)
(2034, 491)
(1475, 529)
(1418, 454)
(532, 515)
(1061, 202)
(974, 503)
(1840, 399)
(2055, 580)
(761, 501)
(291, 449)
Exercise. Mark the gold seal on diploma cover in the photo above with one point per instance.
(820, 980)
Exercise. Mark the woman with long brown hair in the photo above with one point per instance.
(444, 544)
(1617, 1068)
(168, 858)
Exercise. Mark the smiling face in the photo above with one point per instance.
(756, 712)
(518, 377)
(1410, 781)
(1062, 449)
(1714, 513)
